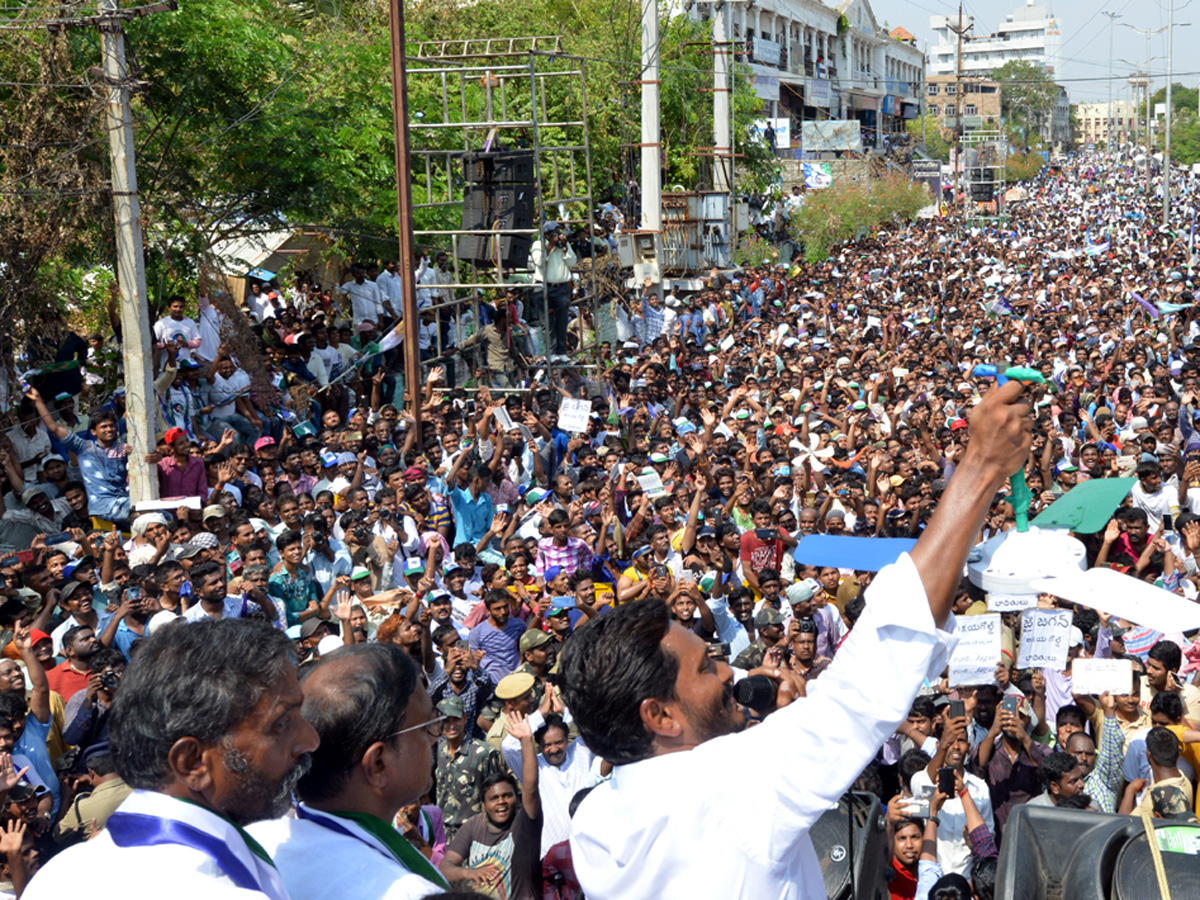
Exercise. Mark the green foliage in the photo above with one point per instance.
(935, 139)
(1022, 166)
(1027, 97)
(848, 210)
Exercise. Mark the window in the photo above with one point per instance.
(969, 109)
(951, 90)
(931, 90)
(933, 109)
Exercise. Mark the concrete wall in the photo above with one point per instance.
(792, 171)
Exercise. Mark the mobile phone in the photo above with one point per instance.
(719, 650)
(1168, 522)
(686, 576)
(764, 534)
(916, 808)
(958, 709)
(1009, 705)
(133, 592)
(946, 780)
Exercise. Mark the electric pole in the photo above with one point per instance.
(958, 108)
(651, 135)
(1112, 18)
(404, 213)
(140, 402)
(722, 114)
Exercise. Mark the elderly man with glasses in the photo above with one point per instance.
(378, 728)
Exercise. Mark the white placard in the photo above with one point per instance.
(727, 344)
(1045, 635)
(1011, 602)
(650, 482)
(1096, 676)
(978, 651)
(169, 504)
(574, 415)
(503, 419)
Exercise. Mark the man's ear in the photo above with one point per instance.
(661, 717)
(191, 763)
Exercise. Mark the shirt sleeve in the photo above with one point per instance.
(839, 727)
(928, 873)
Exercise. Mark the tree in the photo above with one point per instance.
(937, 140)
(1027, 99)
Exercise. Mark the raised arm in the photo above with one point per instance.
(518, 727)
(56, 428)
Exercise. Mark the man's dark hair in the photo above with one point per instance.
(101, 764)
(951, 887)
(73, 632)
(911, 763)
(198, 680)
(105, 658)
(165, 570)
(761, 505)
(870, 781)
(289, 537)
(1167, 703)
(559, 517)
(1055, 766)
(1162, 746)
(923, 706)
(854, 609)
(983, 878)
(202, 570)
(609, 668)
(1167, 653)
(768, 574)
(12, 707)
(366, 704)
(1069, 713)
(496, 778)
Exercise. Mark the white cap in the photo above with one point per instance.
(161, 619)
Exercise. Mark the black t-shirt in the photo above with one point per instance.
(516, 850)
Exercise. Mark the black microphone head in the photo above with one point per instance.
(756, 692)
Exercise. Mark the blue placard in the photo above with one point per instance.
(865, 554)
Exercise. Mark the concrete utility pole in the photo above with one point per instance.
(1171, 26)
(140, 403)
(651, 134)
(722, 114)
(1112, 18)
(408, 286)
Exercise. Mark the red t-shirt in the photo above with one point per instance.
(66, 681)
(757, 555)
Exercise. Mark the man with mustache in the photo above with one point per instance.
(648, 698)
(207, 730)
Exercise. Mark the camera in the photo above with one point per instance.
(110, 680)
(361, 534)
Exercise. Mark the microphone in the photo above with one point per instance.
(755, 691)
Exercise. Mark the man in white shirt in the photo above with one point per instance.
(646, 696)
(176, 328)
(366, 303)
(1150, 495)
(209, 735)
(430, 277)
(551, 258)
(229, 400)
(377, 727)
(389, 284)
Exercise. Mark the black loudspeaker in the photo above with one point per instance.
(499, 196)
(1083, 855)
(860, 815)
(505, 167)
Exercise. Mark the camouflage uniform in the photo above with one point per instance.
(459, 779)
(752, 657)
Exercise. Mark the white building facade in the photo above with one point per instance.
(807, 68)
(1029, 34)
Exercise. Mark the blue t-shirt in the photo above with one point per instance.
(32, 745)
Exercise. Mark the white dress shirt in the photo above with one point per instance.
(556, 786)
(366, 303)
(666, 828)
(152, 872)
(319, 864)
(954, 853)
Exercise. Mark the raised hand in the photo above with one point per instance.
(518, 722)
(9, 775)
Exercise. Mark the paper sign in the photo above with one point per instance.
(503, 419)
(978, 651)
(650, 482)
(1096, 676)
(1045, 634)
(574, 415)
(169, 504)
(1011, 602)
(727, 344)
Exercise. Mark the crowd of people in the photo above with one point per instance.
(397, 651)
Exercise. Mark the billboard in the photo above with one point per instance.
(817, 175)
(831, 135)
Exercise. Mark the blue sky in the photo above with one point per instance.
(1085, 36)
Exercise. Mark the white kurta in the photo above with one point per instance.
(105, 871)
(319, 864)
(666, 828)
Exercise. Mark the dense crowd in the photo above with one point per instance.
(429, 570)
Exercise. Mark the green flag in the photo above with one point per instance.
(1087, 507)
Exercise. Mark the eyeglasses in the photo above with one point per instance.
(433, 728)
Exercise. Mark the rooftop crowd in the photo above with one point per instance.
(349, 646)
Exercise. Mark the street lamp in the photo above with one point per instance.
(1112, 18)
(1148, 34)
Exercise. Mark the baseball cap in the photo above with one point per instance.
(263, 442)
(213, 511)
(309, 626)
(1169, 802)
(768, 616)
(359, 572)
(533, 639)
(204, 540)
(414, 566)
(551, 573)
(328, 644)
(414, 473)
(173, 434)
(802, 591)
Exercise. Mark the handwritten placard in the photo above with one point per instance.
(574, 415)
(1096, 676)
(1045, 639)
(978, 651)
(997, 602)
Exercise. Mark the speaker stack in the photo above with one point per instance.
(852, 848)
(499, 196)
